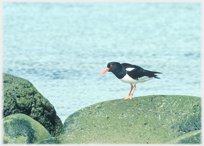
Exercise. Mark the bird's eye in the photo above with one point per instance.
(111, 65)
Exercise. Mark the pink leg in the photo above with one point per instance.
(130, 95)
(133, 90)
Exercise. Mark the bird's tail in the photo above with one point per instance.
(154, 73)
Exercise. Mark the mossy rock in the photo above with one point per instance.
(22, 129)
(155, 119)
(193, 137)
(20, 96)
(52, 140)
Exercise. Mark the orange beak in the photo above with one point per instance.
(107, 69)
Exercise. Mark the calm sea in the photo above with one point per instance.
(61, 47)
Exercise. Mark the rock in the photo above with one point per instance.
(22, 129)
(52, 140)
(20, 96)
(155, 119)
(193, 137)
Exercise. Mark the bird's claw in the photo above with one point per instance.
(128, 97)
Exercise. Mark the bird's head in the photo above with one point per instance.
(111, 67)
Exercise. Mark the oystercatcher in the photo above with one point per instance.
(131, 74)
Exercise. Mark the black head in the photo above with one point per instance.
(113, 66)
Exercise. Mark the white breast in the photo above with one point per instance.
(128, 79)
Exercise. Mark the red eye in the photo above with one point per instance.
(111, 65)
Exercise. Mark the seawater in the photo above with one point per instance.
(61, 47)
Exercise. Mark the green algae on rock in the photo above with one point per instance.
(155, 119)
(193, 137)
(20, 96)
(22, 129)
(52, 140)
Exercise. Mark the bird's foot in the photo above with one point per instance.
(128, 97)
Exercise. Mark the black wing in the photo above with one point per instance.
(127, 65)
(138, 72)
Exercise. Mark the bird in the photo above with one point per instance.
(131, 74)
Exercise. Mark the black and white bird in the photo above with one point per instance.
(129, 73)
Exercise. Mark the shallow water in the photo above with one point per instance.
(61, 47)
